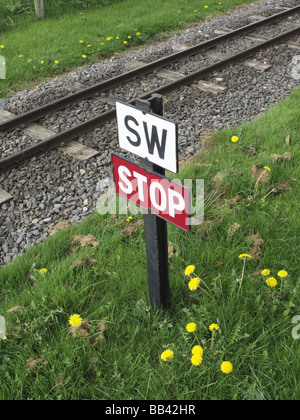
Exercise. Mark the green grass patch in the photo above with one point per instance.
(116, 353)
(35, 50)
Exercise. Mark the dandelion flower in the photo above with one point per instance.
(191, 327)
(196, 359)
(83, 56)
(282, 273)
(189, 270)
(166, 355)
(81, 41)
(20, 55)
(129, 218)
(75, 320)
(271, 282)
(197, 350)
(194, 283)
(245, 256)
(214, 327)
(43, 271)
(2, 46)
(267, 168)
(42, 62)
(56, 62)
(138, 34)
(265, 272)
(125, 42)
(234, 139)
(226, 368)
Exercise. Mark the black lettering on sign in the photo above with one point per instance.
(137, 142)
(161, 145)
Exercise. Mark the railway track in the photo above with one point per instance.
(64, 137)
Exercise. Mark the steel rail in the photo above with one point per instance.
(75, 132)
(111, 83)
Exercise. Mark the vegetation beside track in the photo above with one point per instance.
(37, 50)
(251, 178)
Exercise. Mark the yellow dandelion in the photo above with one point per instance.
(197, 350)
(194, 283)
(20, 55)
(125, 42)
(191, 327)
(271, 282)
(282, 273)
(138, 34)
(189, 270)
(214, 327)
(81, 41)
(56, 62)
(245, 257)
(129, 37)
(42, 62)
(196, 359)
(129, 218)
(2, 46)
(88, 45)
(83, 56)
(167, 355)
(267, 168)
(266, 272)
(43, 270)
(205, 7)
(75, 320)
(226, 368)
(234, 139)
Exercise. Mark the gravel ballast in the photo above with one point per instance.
(55, 187)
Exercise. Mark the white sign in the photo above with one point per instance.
(2, 328)
(148, 135)
(2, 67)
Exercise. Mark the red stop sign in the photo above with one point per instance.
(165, 198)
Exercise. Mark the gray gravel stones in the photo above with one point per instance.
(56, 187)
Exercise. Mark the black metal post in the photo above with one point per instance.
(156, 235)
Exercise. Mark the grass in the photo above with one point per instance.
(36, 50)
(116, 352)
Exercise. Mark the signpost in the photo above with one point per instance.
(39, 8)
(142, 130)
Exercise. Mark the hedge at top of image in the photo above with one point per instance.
(13, 12)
